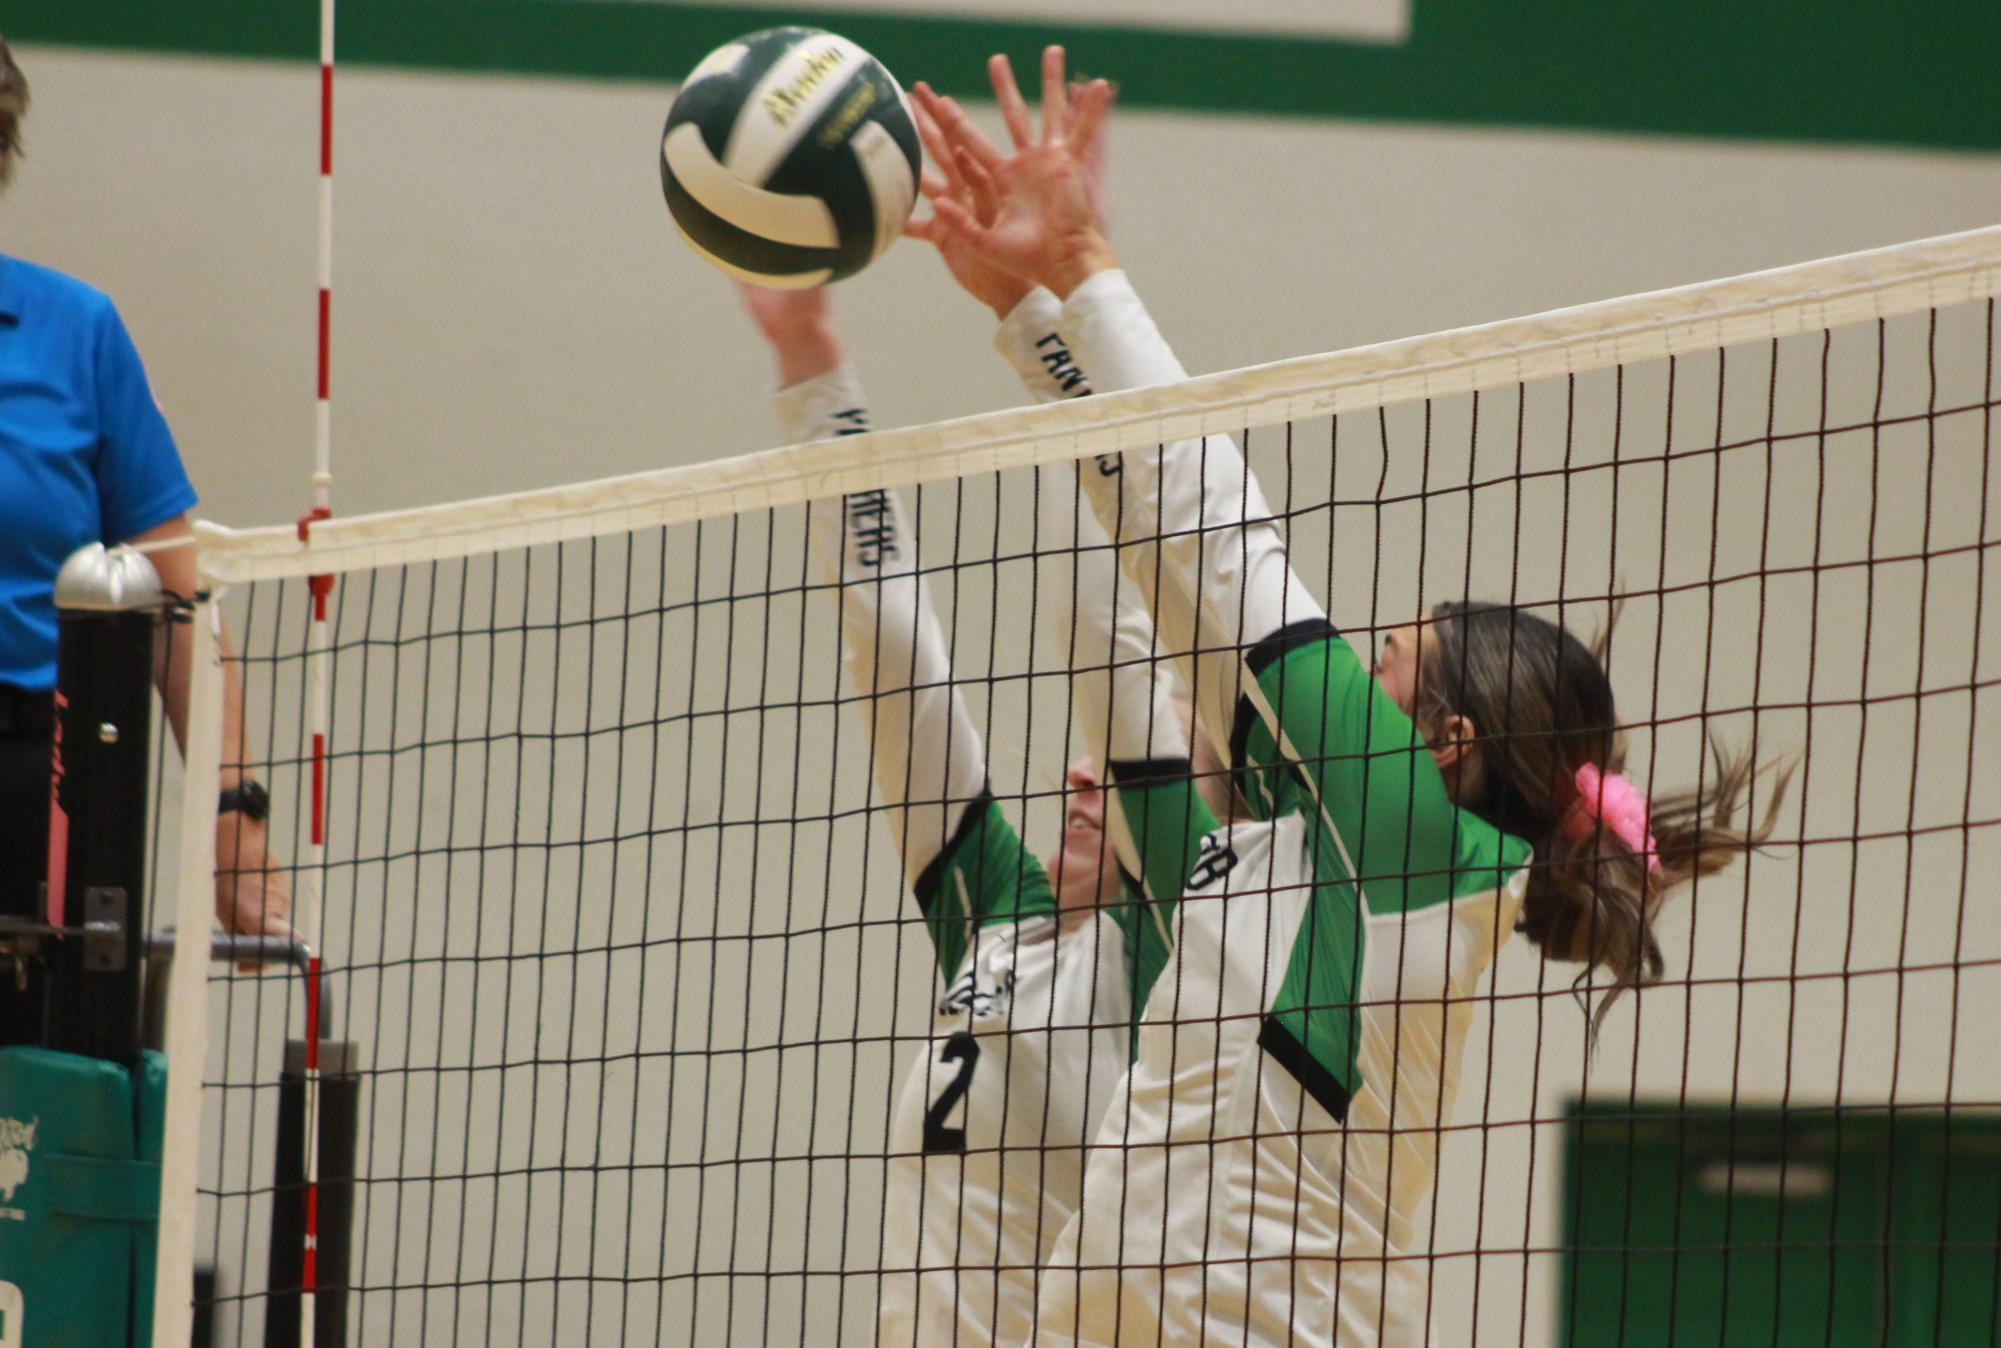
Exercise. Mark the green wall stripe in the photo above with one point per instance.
(1794, 70)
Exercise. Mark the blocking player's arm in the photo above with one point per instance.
(1222, 562)
(1032, 342)
(1124, 689)
(1124, 692)
(962, 859)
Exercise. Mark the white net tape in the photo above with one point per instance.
(1763, 306)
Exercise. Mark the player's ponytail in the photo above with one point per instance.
(1550, 758)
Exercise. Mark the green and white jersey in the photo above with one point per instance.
(1310, 730)
(1032, 1029)
(984, 875)
(1301, 1050)
(1321, 743)
(1171, 828)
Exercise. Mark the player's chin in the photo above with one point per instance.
(1083, 850)
(1079, 866)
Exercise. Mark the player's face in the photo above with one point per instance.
(1086, 872)
(1396, 666)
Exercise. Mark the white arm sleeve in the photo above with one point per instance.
(1028, 340)
(1124, 695)
(929, 762)
(1123, 691)
(1125, 686)
(1223, 579)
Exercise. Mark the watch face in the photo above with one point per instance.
(247, 798)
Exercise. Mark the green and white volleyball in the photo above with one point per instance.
(790, 158)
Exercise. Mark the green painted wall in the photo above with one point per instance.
(1795, 70)
(1818, 1228)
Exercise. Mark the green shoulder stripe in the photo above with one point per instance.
(1168, 819)
(1383, 835)
(1144, 939)
(1388, 823)
(1382, 832)
(984, 875)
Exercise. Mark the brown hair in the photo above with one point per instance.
(1541, 707)
(13, 106)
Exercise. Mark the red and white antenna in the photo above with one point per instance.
(309, 913)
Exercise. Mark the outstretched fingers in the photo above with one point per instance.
(1089, 103)
(981, 193)
(1055, 96)
(936, 148)
(1014, 111)
(1092, 102)
(935, 189)
(951, 120)
(954, 219)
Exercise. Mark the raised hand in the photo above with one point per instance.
(1091, 154)
(1045, 223)
(995, 287)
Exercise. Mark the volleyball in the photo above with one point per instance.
(790, 158)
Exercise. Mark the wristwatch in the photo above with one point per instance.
(248, 798)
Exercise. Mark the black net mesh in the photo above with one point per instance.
(615, 932)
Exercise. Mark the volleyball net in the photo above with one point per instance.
(617, 948)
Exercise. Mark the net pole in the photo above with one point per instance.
(310, 914)
(187, 988)
(109, 608)
(284, 1274)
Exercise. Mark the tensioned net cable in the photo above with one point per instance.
(634, 974)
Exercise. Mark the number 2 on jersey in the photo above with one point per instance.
(962, 1049)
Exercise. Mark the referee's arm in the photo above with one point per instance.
(251, 896)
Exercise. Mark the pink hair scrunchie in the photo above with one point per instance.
(1610, 799)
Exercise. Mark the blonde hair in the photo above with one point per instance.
(13, 107)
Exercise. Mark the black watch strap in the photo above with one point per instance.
(248, 798)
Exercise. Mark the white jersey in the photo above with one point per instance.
(1265, 1172)
(1225, 1201)
(988, 1140)
(1032, 1028)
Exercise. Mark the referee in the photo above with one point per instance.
(85, 456)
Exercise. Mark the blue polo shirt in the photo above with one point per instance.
(85, 455)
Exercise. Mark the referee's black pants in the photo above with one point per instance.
(27, 721)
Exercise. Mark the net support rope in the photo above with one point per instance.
(1879, 283)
